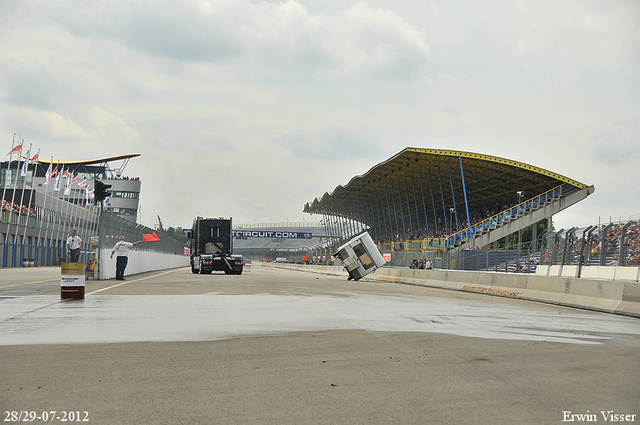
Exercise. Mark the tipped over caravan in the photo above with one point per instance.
(360, 256)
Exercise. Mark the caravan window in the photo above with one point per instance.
(363, 256)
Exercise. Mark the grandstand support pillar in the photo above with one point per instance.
(433, 203)
(386, 191)
(453, 196)
(358, 222)
(365, 216)
(415, 202)
(404, 228)
(366, 208)
(376, 227)
(333, 217)
(424, 205)
(358, 216)
(406, 192)
(384, 219)
(444, 208)
(376, 212)
(464, 191)
(345, 225)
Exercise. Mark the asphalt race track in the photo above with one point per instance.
(275, 346)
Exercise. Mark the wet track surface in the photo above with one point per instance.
(295, 302)
(276, 346)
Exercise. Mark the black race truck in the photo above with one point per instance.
(211, 243)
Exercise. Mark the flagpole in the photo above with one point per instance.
(4, 192)
(4, 189)
(44, 203)
(31, 198)
(13, 198)
(56, 188)
(67, 219)
(23, 173)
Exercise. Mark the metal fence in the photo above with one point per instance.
(113, 226)
(612, 244)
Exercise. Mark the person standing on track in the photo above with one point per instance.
(121, 249)
(74, 245)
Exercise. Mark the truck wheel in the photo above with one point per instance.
(194, 271)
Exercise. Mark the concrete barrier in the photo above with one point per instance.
(620, 297)
(140, 262)
(631, 273)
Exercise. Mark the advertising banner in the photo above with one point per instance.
(274, 234)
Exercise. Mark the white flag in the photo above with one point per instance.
(47, 175)
(57, 185)
(23, 172)
(67, 189)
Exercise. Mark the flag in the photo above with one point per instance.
(150, 237)
(25, 165)
(16, 149)
(106, 201)
(75, 179)
(47, 175)
(34, 160)
(83, 183)
(56, 186)
(67, 188)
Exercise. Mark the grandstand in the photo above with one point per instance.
(37, 218)
(423, 200)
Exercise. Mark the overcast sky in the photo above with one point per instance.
(250, 109)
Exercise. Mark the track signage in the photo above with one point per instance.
(277, 234)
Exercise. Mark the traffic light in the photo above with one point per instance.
(101, 191)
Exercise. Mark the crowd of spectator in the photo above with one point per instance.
(444, 229)
(422, 264)
(17, 209)
(605, 240)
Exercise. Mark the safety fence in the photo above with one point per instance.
(112, 226)
(612, 244)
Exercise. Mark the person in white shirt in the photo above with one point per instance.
(74, 245)
(121, 249)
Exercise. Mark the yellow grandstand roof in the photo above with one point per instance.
(488, 180)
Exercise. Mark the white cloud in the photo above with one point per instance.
(291, 98)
